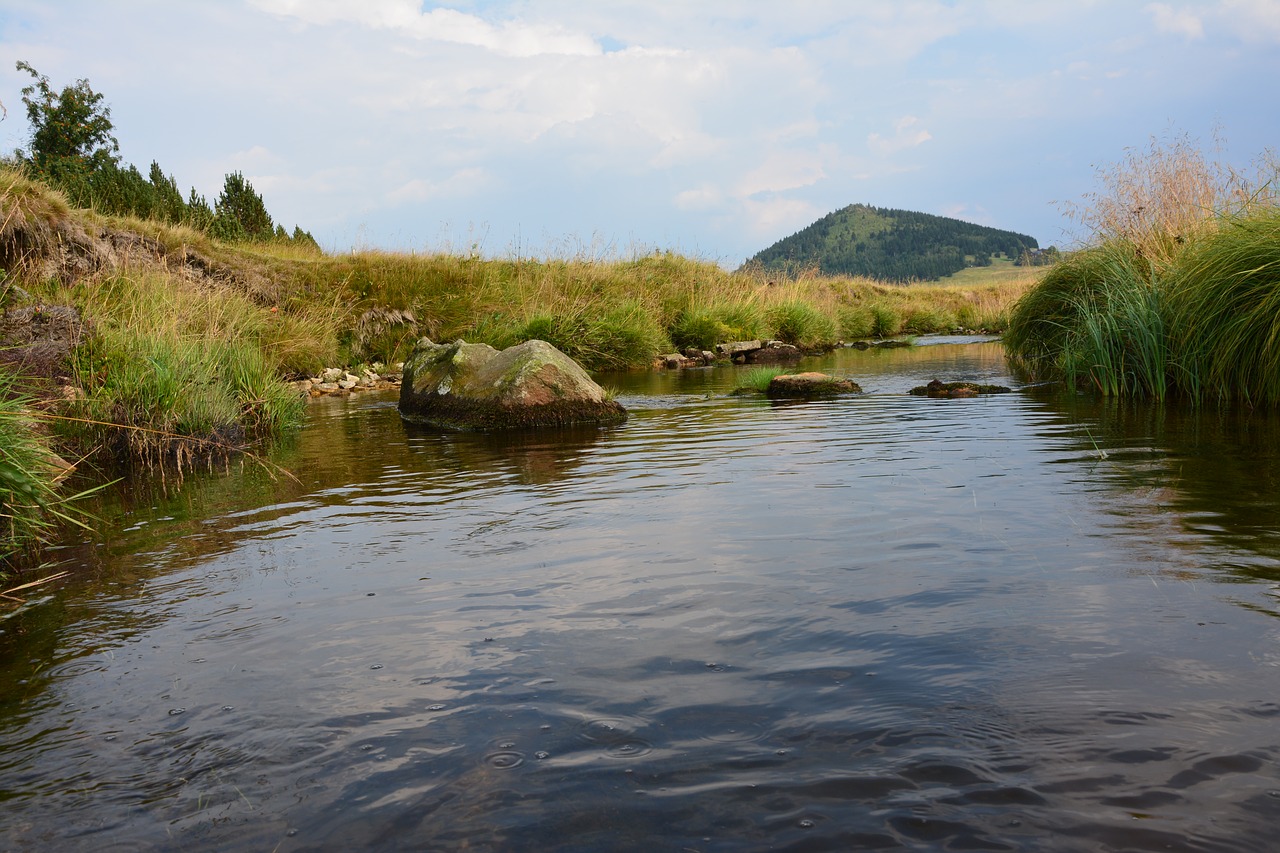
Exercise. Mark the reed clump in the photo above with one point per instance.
(1178, 293)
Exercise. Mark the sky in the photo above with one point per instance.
(591, 127)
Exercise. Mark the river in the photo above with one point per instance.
(1029, 621)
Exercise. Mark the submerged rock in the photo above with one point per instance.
(810, 385)
(950, 390)
(475, 387)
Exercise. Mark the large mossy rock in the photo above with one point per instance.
(475, 387)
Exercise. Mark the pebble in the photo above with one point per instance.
(336, 381)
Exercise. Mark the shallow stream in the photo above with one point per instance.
(1030, 621)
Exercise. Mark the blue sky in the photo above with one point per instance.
(712, 128)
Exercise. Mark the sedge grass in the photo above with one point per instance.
(189, 368)
(33, 503)
(1225, 298)
(758, 378)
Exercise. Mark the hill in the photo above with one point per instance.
(891, 245)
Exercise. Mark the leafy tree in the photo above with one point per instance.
(240, 213)
(70, 130)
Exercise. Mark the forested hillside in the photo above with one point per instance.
(892, 245)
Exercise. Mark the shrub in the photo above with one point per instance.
(1096, 318)
(799, 323)
(856, 321)
(921, 320)
(698, 327)
(1224, 295)
(744, 321)
(758, 378)
(885, 321)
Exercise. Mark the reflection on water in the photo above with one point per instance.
(1028, 621)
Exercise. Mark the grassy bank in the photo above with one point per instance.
(183, 344)
(1178, 295)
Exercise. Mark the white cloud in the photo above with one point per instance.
(1175, 21)
(906, 134)
(703, 197)
(1252, 20)
(770, 218)
(781, 171)
(511, 38)
(460, 184)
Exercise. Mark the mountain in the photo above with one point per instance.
(892, 245)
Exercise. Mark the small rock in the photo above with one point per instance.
(810, 385)
(953, 390)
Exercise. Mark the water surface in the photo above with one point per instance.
(1021, 622)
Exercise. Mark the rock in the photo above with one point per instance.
(737, 348)
(331, 374)
(810, 385)
(474, 387)
(887, 344)
(951, 390)
(774, 352)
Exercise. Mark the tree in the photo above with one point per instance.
(70, 130)
(239, 213)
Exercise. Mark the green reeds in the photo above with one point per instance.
(1096, 319)
(800, 323)
(758, 378)
(32, 503)
(169, 374)
(1224, 293)
(1203, 325)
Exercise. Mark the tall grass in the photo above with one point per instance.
(33, 504)
(621, 313)
(1178, 295)
(172, 371)
(1225, 311)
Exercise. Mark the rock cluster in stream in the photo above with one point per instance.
(337, 381)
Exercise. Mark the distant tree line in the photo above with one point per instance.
(892, 245)
(72, 148)
(1039, 257)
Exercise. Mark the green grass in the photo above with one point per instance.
(800, 323)
(33, 503)
(170, 374)
(1224, 293)
(1202, 324)
(758, 378)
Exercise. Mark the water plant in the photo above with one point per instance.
(885, 321)
(1224, 304)
(33, 503)
(798, 322)
(758, 378)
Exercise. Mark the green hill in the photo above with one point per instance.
(892, 245)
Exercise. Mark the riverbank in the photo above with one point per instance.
(131, 343)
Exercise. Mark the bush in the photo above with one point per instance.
(698, 327)
(799, 323)
(32, 504)
(1224, 295)
(1095, 319)
(856, 321)
(923, 320)
(885, 321)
